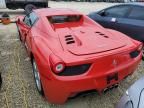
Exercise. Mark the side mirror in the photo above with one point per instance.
(103, 13)
(18, 21)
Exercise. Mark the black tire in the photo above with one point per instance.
(37, 78)
(29, 8)
(143, 54)
(0, 81)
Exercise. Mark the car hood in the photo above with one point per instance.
(87, 40)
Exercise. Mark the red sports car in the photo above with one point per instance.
(70, 53)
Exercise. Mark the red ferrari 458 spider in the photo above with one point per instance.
(70, 53)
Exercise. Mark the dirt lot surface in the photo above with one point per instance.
(19, 91)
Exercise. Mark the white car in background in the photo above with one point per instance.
(2, 4)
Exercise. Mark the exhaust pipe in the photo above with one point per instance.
(110, 88)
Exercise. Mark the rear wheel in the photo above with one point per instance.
(37, 78)
(29, 8)
(143, 54)
(19, 34)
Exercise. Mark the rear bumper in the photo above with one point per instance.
(57, 91)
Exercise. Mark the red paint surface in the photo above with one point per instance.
(93, 44)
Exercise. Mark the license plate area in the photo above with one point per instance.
(112, 77)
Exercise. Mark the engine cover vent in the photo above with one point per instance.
(101, 34)
(69, 39)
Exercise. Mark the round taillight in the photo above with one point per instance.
(59, 68)
(57, 64)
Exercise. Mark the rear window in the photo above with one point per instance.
(64, 19)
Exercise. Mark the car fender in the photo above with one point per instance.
(41, 53)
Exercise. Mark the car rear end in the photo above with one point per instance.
(97, 72)
(88, 57)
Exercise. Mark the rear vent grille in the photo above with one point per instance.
(102, 34)
(70, 42)
(68, 36)
(69, 39)
(106, 36)
(82, 32)
(98, 32)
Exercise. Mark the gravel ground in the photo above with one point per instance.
(19, 91)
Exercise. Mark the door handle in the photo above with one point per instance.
(114, 20)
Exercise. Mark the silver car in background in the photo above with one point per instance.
(134, 96)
